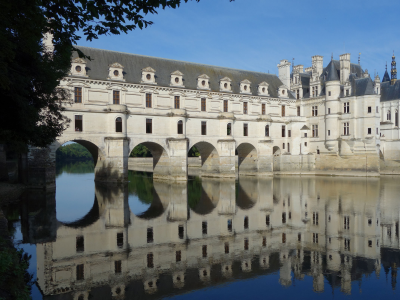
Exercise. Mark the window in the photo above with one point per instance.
(305, 134)
(78, 123)
(176, 79)
(316, 91)
(245, 129)
(369, 130)
(149, 126)
(283, 218)
(299, 237)
(204, 227)
(283, 131)
(347, 92)
(246, 222)
(313, 92)
(225, 105)
(117, 267)
(298, 111)
(180, 127)
(347, 244)
(376, 130)
(264, 242)
(150, 262)
(267, 130)
(230, 225)
(396, 118)
(246, 244)
(288, 147)
(283, 110)
(78, 68)
(80, 247)
(203, 104)
(118, 124)
(329, 132)
(315, 130)
(120, 240)
(289, 133)
(346, 107)
(305, 144)
(204, 251)
(283, 146)
(315, 218)
(388, 116)
(228, 129)
(226, 248)
(329, 93)
(347, 222)
(148, 100)
(263, 109)
(178, 256)
(80, 273)
(369, 109)
(329, 111)
(315, 111)
(315, 238)
(346, 128)
(115, 97)
(297, 93)
(180, 231)
(283, 238)
(149, 235)
(245, 108)
(203, 128)
(267, 222)
(369, 243)
(177, 102)
(369, 222)
(78, 95)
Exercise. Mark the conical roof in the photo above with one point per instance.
(386, 77)
(332, 73)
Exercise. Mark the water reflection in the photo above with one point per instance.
(212, 231)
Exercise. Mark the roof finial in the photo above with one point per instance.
(386, 67)
(332, 56)
(393, 71)
(359, 58)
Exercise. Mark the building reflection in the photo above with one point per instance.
(334, 230)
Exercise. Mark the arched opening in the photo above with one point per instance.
(276, 151)
(180, 127)
(118, 124)
(247, 159)
(266, 130)
(202, 196)
(229, 129)
(246, 193)
(209, 157)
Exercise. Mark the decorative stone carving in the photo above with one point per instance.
(78, 67)
(245, 87)
(177, 79)
(263, 89)
(116, 72)
(283, 91)
(203, 82)
(225, 84)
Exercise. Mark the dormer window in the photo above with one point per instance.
(177, 79)
(78, 67)
(148, 76)
(225, 84)
(282, 91)
(263, 89)
(203, 82)
(116, 72)
(245, 87)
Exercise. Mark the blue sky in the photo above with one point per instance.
(255, 34)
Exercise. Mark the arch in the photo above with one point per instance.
(90, 218)
(247, 193)
(209, 157)
(118, 124)
(180, 127)
(266, 130)
(276, 151)
(247, 159)
(203, 196)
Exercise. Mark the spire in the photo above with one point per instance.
(386, 75)
(393, 71)
(332, 72)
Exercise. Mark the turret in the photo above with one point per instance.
(377, 85)
(332, 89)
(284, 72)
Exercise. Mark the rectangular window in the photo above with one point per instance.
(346, 107)
(347, 92)
(315, 238)
(245, 108)
(267, 221)
(329, 132)
(289, 133)
(203, 128)
(369, 130)
(78, 95)
(369, 109)
(305, 134)
(347, 244)
(283, 131)
(264, 242)
(283, 238)
(299, 237)
(148, 100)
(246, 222)
(245, 130)
(80, 272)
(225, 105)
(204, 251)
(283, 218)
(115, 97)
(283, 146)
(230, 225)
(120, 240)
(246, 244)
(288, 147)
(298, 111)
(329, 111)
(80, 246)
(180, 231)
(316, 91)
(117, 266)
(305, 144)
(178, 256)
(263, 109)
(180, 127)
(78, 123)
(149, 126)
(313, 92)
(283, 110)
(329, 93)
(315, 218)
(346, 223)
(226, 248)
(177, 102)
(150, 260)
(315, 111)
(203, 104)
(315, 130)
(346, 128)
(149, 235)
(204, 227)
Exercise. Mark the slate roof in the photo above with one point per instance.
(332, 72)
(390, 92)
(361, 86)
(354, 68)
(386, 77)
(133, 64)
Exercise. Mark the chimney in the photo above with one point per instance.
(344, 67)
(284, 72)
(317, 63)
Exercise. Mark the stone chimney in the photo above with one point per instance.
(317, 63)
(284, 72)
(344, 67)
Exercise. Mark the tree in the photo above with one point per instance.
(31, 111)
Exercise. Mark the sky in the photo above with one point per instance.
(256, 34)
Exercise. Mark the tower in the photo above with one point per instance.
(393, 71)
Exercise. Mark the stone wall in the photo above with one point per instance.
(295, 164)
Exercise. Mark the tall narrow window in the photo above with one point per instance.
(315, 130)
(245, 108)
(316, 91)
(369, 130)
(246, 244)
(283, 218)
(150, 261)
(396, 118)
(180, 127)
(263, 109)
(264, 242)
(203, 128)
(78, 95)
(116, 97)
(181, 231)
(203, 104)
(149, 126)
(315, 111)
(313, 92)
(230, 225)
(150, 235)
(246, 222)
(315, 238)
(148, 100)
(346, 107)
(377, 109)
(226, 248)
(267, 221)
(369, 109)
(245, 129)
(80, 273)
(78, 123)
(266, 130)
(288, 147)
(283, 238)
(177, 102)
(204, 227)
(228, 129)
(283, 131)
(204, 251)
(118, 124)
(283, 110)
(80, 246)
(225, 105)
(347, 244)
(289, 133)
(347, 222)
(315, 218)
(178, 256)
(346, 128)
(117, 267)
(298, 111)
(120, 240)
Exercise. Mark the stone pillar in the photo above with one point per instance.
(113, 167)
(265, 158)
(177, 209)
(227, 197)
(41, 168)
(178, 149)
(3, 163)
(227, 158)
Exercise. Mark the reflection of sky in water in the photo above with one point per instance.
(74, 196)
(137, 207)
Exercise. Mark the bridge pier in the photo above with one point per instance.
(265, 158)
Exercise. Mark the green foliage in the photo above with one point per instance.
(194, 190)
(140, 151)
(73, 152)
(75, 167)
(15, 281)
(194, 152)
(141, 185)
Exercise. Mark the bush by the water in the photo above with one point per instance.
(73, 152)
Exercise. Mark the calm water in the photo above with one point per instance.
(276, 238)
